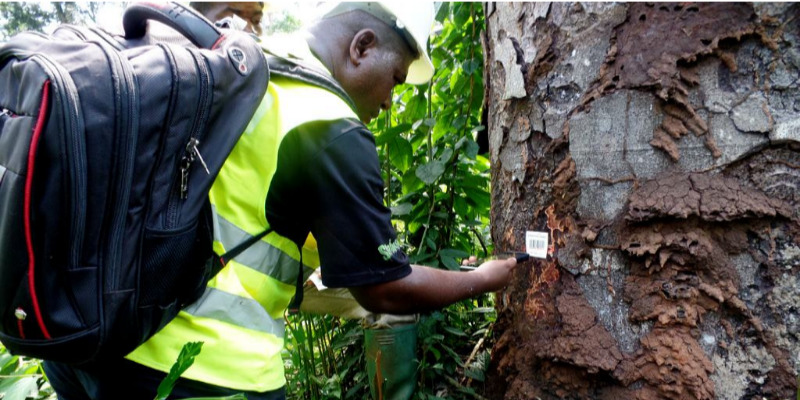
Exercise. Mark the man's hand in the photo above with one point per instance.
(497, 273)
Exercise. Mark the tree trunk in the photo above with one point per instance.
(658, 144)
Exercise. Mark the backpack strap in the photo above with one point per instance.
(294, 306)
(239, 248)
(294, 68)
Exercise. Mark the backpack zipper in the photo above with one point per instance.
(127, 94)
(65, 90)
(191, 152)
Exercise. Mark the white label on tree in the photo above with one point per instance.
(536, 244)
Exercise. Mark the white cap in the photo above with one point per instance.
(412, 21)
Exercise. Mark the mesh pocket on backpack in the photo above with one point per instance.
(173, 264)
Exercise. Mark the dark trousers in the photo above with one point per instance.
(124, 379)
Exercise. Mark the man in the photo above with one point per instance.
(305, 165)
(389, 340)
(249, 13)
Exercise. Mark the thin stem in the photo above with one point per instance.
(388, 164)
(431, 187)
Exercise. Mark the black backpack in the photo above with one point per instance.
(108, 147)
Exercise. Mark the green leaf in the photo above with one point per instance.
(400, 152)
(431, 245)
(454, 253)
(461, 14)
(460, 143)
(461, 83)
(19, 388)
(416, 107)
(430, 172)
(453, 354)
(450, 263)
(460, 206)
(459, 122)
(185, 360)
(436, 353)
(401, 209)
(455, 331)
(475, 374)
(471, 150)
(412, 183)
(444, 11)
(447, 154)
(470, 66)
(391, 134)
(440, 215)
(9, 363)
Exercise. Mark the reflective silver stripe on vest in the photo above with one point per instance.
(261, 256)
(236, 310)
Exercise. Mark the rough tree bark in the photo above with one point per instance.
(659, 145)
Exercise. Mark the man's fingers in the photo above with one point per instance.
(469, 261)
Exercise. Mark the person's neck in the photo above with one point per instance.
(321, 50)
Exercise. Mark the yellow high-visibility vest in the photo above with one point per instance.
(240, 316)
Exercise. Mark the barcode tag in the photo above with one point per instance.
(536, 244)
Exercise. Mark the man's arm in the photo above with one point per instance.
(430, 288)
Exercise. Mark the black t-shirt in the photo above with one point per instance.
(328, 182)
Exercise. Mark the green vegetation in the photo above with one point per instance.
(437, 186)
(282, 21)
(22, 378)
(436, 183)
(184, 361)
(24, 16)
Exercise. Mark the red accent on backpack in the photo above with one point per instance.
(37, 132)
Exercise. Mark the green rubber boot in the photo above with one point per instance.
(391, 362)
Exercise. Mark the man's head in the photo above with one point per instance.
(250, 11)
(369, 50)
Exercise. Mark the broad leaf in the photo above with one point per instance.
(400, 152)
(430, 172)
(402, 209)
(450, 263)
(19, 388)
(455, 253)
(185, 360)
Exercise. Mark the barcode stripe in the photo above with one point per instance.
(536, 243)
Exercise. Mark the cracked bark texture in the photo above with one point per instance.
(659, 146)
